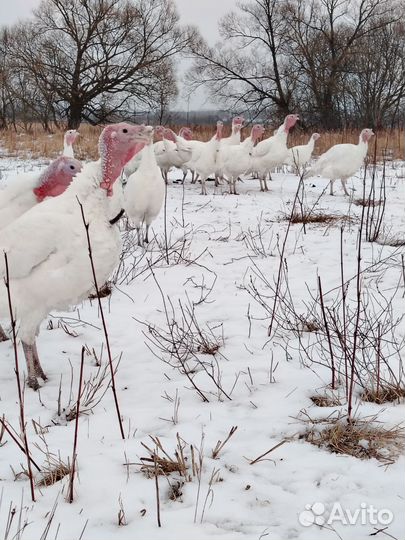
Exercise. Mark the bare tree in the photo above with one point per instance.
(166, 92)
(6, 103)
(248, 69)
(335, 61)
(87, 52)
(325, 35)
(376, 83)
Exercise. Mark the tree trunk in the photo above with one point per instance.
(75, 114)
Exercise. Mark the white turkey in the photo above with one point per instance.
(68, 142)
(237, 159)
(144, 193)
(203, 160)
(272, 152)
(26, 190)
(232, 140)
(178, 151)
(299, 156)
(158, 147)
(186, 135)
(166, 152)
(342, 161)
(47, 248)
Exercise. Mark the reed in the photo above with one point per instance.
(36, 143)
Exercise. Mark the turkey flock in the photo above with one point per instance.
(43, 252)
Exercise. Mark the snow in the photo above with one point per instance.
(268, 405)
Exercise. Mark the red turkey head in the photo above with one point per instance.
(118, 144)
(57, 177)
(186, 133)
(290, 121)
(366, 135)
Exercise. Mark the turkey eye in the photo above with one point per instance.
(72, 167)
(125, 130)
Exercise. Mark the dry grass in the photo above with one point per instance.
(53, 472)
(325, 400)
(359, 439)
(307, 216)
(35, 142)
(384, 394)
(308, 325)
(367, 202)
(160, 462)
(391, 241)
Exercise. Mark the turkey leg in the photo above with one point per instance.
(344, 180)
(139, 236)
(33, 365)
(203, 187)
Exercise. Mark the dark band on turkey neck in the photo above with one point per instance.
(114, 220)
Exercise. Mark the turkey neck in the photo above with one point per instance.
(235, 136)
(148, 156)
(86, 189)
(249, 143)
(363, 147)
(311, 143)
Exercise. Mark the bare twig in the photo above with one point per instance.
(74, 455)
(17, 375)
(107, 340)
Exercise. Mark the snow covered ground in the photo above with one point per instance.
(214, 242)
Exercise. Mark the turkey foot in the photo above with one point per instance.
(39, 372)
(146, 239)
(32, 382)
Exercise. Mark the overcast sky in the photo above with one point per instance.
(202, 13)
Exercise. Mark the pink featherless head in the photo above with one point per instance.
(366, 134)
(71, 136)
(238, 121)
(218, 134)
(170, 135)
(257, 131)
(290, 121)
(57, 177)
(118, 144)
(186, 133)
(159, 131)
